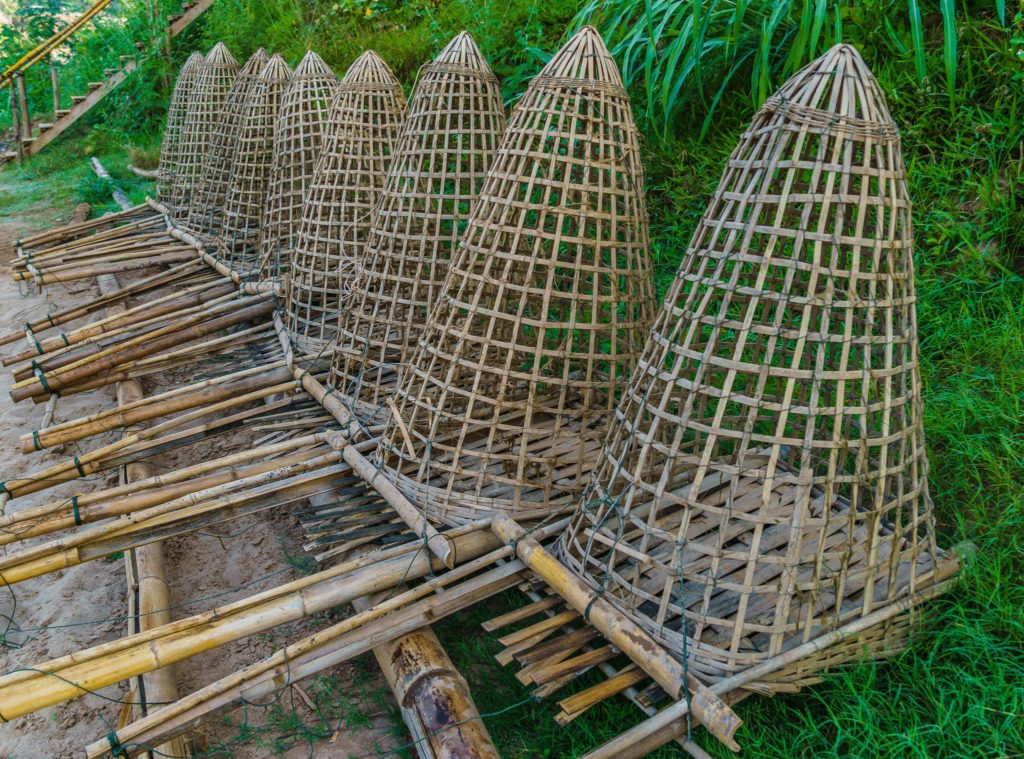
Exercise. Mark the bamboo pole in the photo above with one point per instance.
(670, 723)
(26, 123)
(25, 691)
(621, 631)
(88, 272)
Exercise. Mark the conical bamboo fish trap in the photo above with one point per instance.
(456, 120)
(770, 441)
(170, 148)
(544, 312)
(250, 171)
(360, 138)
(297, 140)
(206, 214)
(211, 88)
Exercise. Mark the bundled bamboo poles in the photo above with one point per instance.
(545, 309)
(358, 143)
(206, 213)
(26, 247)
(298, 133)
(211, 89)
(456, 120)
(25, 691)
(765, 481)
(170, 149)
(237, 244)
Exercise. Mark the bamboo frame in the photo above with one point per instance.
(358, 143)
(456, 120)
(544, 312)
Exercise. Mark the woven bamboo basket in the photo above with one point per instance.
(244, 206)
(770, 442)
(211, 88)
(206, 214)
(545, 310)
(360, 138)
(456, 120)
(305, 105)
(170, 148)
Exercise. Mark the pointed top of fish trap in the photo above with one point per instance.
(546, 307)
(359, 140)
(206, 215)
(170, 148)
(297, 140)
(770, 441)
(214, 79)
(456, 120)
(246, 198)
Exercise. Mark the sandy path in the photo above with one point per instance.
(61, 613)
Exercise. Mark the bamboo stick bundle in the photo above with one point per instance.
(210, 90)
(43, 256)
(298, 134)
(358, 142)
(24, 691)
(159, 251)
(545, 309)
(245, 309)
(184, 398)
(94, 506)
(68, 233)
(246, 199)
(765, 480)
(205, 216)
(72, 274)
(119, 336)
(180, 298)
(177, 274)
(170, 149)
(456, 120)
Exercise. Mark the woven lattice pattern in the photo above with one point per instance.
(770, 441)
(238, 244)
(456, 120)
(305, 106)
(206, 214)
(546, 307)
(360, 138)
(170, 148)
(208, 95)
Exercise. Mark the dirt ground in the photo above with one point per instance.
(352, 711)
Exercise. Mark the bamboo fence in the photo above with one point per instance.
(211, 89)
(170, 148)
(246, 199)
(545, 309)
(456, 120)
(765, 481)
(206, 214)
(305, 105)
(358, 143)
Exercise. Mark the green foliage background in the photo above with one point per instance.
(697, 69)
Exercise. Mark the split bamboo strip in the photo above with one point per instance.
(544, 312)
(210, 91)
(359, 139)
(170, 149)
(24, 691)
(765, 480)
(249, 184)
(298, 134)
(456, 120)
(206, 215)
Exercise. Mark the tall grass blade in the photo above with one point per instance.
(949, 44)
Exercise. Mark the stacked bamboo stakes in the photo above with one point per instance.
(545, 309)
(238, 241)
(456, 120)
(359, 140)
(170, 149)
(298, 133)
(205, 215)
(211, 90)
(765, 483)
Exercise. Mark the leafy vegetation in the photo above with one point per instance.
(953, 75)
